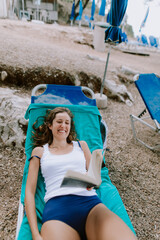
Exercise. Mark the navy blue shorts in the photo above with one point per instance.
(70, 209)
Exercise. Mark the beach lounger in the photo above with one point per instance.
(89, 127)
(148, 86)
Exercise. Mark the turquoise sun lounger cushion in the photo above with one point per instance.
(87, 122)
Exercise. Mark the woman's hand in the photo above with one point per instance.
(89, 189)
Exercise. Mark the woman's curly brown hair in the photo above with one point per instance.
(43, 134)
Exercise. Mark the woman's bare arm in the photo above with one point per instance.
(87, 153)
(30, 192)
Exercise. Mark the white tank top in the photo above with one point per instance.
(54, 167)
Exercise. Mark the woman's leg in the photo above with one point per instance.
(56, 230)
(102, 224)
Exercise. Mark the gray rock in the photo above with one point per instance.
(12, 122)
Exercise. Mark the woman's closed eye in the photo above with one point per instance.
(67, 122)
(59, 121)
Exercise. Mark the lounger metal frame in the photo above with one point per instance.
(142, 119)
(104, 132)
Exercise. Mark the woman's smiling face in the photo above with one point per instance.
(61, 125)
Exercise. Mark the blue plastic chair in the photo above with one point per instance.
(148, 86)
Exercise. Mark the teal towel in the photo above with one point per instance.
(87, 123)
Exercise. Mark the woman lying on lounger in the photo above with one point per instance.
(69, 213)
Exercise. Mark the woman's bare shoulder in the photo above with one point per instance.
(38, 151)
(83, 144)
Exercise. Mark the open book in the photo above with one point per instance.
(91, 179)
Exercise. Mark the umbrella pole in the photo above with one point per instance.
(23, 7)
(91, 25)
(105, 71)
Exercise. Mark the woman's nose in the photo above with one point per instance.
(63, 124)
